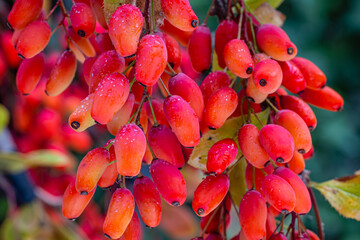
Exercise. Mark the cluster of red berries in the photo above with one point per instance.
(122, 65)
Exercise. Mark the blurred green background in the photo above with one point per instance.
(328, 33)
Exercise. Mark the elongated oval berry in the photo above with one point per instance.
(253, 92)
(183, 120)
(119, 214)
(252, 215)
(183, 86)
(259, 176)
(91, 169)
(61, 74)
(125, 28)
(109, 96)
(133, 230)
(213, 82)
(29, 73)
(181, 36)
(300, 107)
(122, 116)
(165, 145)
(220, 106)
(221, 155)
(296, 126)
(73, 202)
(86, 68)
(213, 222)
(273, 41)
(200, 48)
(225, 32)
(110, 174)
(173, 50)
(314, 77)
(268, 76)
(249, 143)
(210, 193)
(33, 39)
(303, 201)
(83, 20)
(325, 98)
(148, 201)
(277, 142)
(23, 12)
(278, 236)
(180, 14)
(130, 146)
(293, 79)
(81, 119)
(108, 62)
(297, 163)
(278, 192)
(151, 59)
(83, 45)
(238, 58)
(158, 108)
(98, 8)
(169, 182)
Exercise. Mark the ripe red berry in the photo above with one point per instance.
(210, 193)
(183, 120)
(180, 14)
(314, 77)
(238, 58)
(98, 8)
(200, 48)
(125, 28)
(293, 79)
(119, 214)
(278, 236)
(122, 116)
(252, 215)
(250, 146)
(130, 146)
(221, 155)
(268, 76)
(79, 45)
(259, 176)
(213, 82)
(169, 182)
(148, 201)
(273, 41)
(24, 12)
(297, 163)
(110, 174)
(225, 32)
(151, 58)
(158, 107)
(277, 142)
(253, 92)
(133, 230)
(81, 118)
(83, 20)
(86, 68)
(173, 50)
(326, 98)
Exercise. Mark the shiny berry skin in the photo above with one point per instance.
(61, 74)
(148, 201)
(33, 39)
(110, 174)
(97, 7)
(106, 63)
(273, 41)
(221, 155)
(125, 28)
(180, 14)
(252, 215)
(158, 107)
(130, 146)
(181, 36)
(122, 116)
(183, 120)
(259, 176)
(29, 73)
(325, 98)
(292, 122)
(83, 20)
(81, 119)
(220, 106)
(268, 76)
(253, 92)
(303, 201)
(185, 87)
(200, 48)
(212, 82)
(210, 193)
(293, 79)
(169, 182)
(225, 32)
(119, 214)
(73, 202)
(91, 169)
(133, 230)
(314, 77)
(278, 236)
(173, 50)
(238, 58)
(249, 143)
(278, 192)
(165, 145)
(151, 58)
(277, 142)
(83, 45)
(300, 107)
(109, 96)
(297, 163)
(24, 12)
(86, 68)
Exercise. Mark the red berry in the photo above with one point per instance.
(238, 58)
(200, 48)
(173, 50)
(110, 174)
(326, 98)
(221, 155)
(29, 73)
(133, 230)
(81, 118)
(259, 176)
(122, 116)
(314, 77)
(293, 79)
(268, 76)
(83, 20)
(98, 8)
(213, 82)
(180, 14)
(158, 107)
(226, 31)
(253, 92)
(24, 12)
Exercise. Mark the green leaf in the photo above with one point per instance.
(343, 194)
(110, 7)
(254, 4)
(4, 117)
(237, 181)
(198, 156)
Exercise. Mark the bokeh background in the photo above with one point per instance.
(328, 33)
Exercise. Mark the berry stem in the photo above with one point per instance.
(152, 152)
(132, 82)
(252, 13)
(52, 10)
(171, 69)
(128, 67)
(240, 22)
(163, 85)
(253, 35)
(210, 219)
(271, 105)
(256, 116)
(153, 24)
(228, 9)
(138, 111)
(253, 178)
(208, 13)
(317, 214)
(151, 108)
(234, 205)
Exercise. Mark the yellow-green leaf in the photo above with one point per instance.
(4, 117)
(198, 156)
(48, 158)
(343, 194)
(267, 14)
(237, 181)
(254, 4)
(110, 7)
